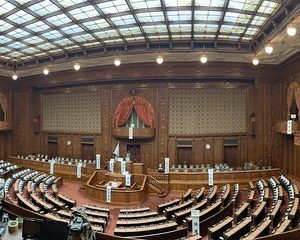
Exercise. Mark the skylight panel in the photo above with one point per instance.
(155, 29)
(4, 40)
(16, 45)
(68, 3)
(130, 31)
(18, 33)
(44, 7)
(97, 24)
(52, 34)
(107, 34)
(114, 6)
(33, 40)
(72, 29)
(258, 21)
(248, 5)
(4, 26)
(145, 4)
(133, 39)
(20, 17)
(5, 7)
(229, 37)
(158, 37)
(55, 51)
(232, 29)
(178, 3)
(181, 36)
(84, 38)
(37, 27)
(268, 7)
(63, 42)
(237, 17)
(204, 36)
(206, 27)
(179, 15)
(59, 20)
(46, 46)
(246, 38)
(4, 50)
(151, 17)
(210, 3)
(180, 28)
(123, 20)
(207, 15)
(30, 50)
(117, 40)
(84, 12)
(91, 44)
(15, 54)
(251, 31)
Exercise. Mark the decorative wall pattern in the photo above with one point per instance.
(201, 111)
(72, 112)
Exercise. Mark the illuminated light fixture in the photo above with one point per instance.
(14, 76)
(159, 59)
(46, 71)
(117, 62)
(76, 66)
(255, 61)
(291, 30)
(203, 59)
(268, 48)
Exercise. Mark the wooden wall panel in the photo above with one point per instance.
(153, 82)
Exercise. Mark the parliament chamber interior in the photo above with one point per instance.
(149, 119)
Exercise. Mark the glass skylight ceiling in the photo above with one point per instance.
(33, 29)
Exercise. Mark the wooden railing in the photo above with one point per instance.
(157, 186)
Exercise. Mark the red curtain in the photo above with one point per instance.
(142, 107)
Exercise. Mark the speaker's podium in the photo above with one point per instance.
(123, 183)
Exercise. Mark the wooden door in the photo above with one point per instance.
(135, 152)
(52, 149)
(184, 155)
(88, 152)
(231, 156)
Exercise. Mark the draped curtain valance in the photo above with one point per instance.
(4, 105)
(142, 107)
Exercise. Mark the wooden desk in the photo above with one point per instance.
(171, 210)
(96, 214)
(274, 214)
(259, 213)
(260, 231)
(27, 204)
(199, 195)
(187, 195)
(242, 212)
(117, 184)
(145, 230)
(64, 214)
(211, 196)
(163, 206)
(134, 210)
(294, 210)
(179, 216)
(138, 222)
(67, 200)
(250, 199)
(29, 187)
(238, 230)
(40, 202)
(217, 230)
(54, 201)
(96, 208)
(284, 226)
(137, 215)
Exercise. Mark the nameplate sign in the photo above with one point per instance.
(98, 159)
(195, 214)
(108, 194)
(289, 127)
(111, 165)
(128, 180)
(130, 133)
(79, 166)
(123, 167)
(52, 167)
(167, 165)
(210, 176)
